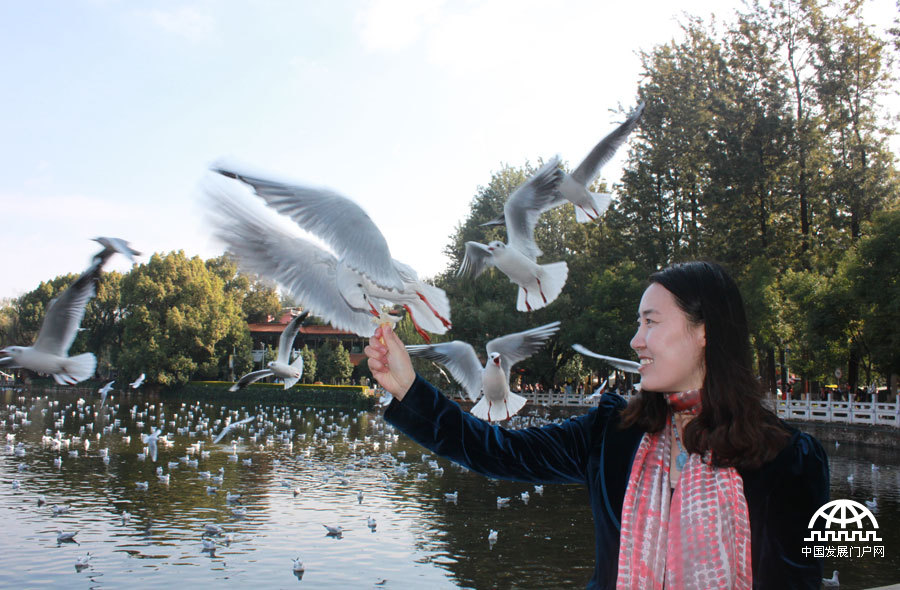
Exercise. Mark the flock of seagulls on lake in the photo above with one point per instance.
(210, 449)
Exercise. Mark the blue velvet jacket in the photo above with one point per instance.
(781, 496)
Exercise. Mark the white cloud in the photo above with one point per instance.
(390, 25)
(187, 22)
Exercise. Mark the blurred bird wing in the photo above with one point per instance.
(407, 273)
(621, 364)
(250, 378)
(119, 245)
(337, 220)
(286, 340)
(477, 258)
(590, 167)
(65, 312)
(303, 268)
(525, 205)
(520, 345)
(459, 358)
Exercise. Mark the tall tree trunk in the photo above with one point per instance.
(770, 370)
(853, 367)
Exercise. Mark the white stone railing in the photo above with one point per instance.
(847, 412)
(852, 411)
(561, 398)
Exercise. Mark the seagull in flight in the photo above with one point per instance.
(104, 391)
(151, 441)
(50, 352)
(498, 403)
(347, 288)
(137, 382)
(282, 366)
(231, 426)
(115, 245)
(539, 284)
(621, 364)
(575, 187)
(598, 393)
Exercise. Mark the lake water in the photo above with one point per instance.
(295, 483)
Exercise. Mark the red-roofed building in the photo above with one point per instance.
(314, 337)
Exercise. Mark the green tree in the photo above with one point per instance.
(333, 363)
(872, 271)
(9, 322)
(258, 299)
(309, 365)
(261, 302)
(31, 307)
(102, 322)
(179, 323)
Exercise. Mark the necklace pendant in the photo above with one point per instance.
(681, 459)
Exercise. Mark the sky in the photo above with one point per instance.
(112, 111)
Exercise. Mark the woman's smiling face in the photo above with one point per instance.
(670, 348)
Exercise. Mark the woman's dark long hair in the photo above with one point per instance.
(732, 424)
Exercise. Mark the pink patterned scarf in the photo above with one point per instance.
(698, 540)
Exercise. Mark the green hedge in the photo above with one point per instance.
(326, 396)
(353, 396)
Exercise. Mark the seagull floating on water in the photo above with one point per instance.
(831, 582)
(498, 403)
(298, 566)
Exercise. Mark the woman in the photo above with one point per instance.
(694, 484)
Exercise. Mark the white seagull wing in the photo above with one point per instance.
(65, 312)
(521, 345)
(286, 340)
(477, 258)
(459, 358)
(590, 167)
(337, 220)
(525, 205)
(303, 268)
(621, 364)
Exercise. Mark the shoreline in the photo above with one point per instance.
(871, 435)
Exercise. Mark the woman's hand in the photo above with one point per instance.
(389, 362)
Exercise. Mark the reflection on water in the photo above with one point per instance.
(306, 469)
